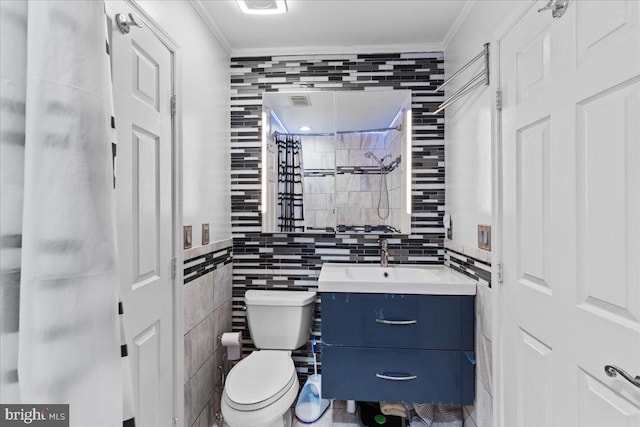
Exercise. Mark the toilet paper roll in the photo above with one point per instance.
(233, 342)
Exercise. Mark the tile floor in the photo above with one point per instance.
(336, 416)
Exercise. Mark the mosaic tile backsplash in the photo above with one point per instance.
(293, 261)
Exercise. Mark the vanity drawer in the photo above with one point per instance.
(375, 375)
(439, 322)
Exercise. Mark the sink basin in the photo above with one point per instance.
(394, 279)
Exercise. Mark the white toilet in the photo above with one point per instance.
(261, 388)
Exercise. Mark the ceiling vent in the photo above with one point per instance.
(300, 100)
(262, 7)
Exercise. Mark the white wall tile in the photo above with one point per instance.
(342, 157)
(347, 182)
(318, 201)
(360, 200)
(357, 158)
(342, 199)
(369, 182)
(324, 218)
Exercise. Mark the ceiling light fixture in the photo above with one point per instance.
(305, 128)
(262, 7)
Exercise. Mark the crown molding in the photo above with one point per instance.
(337, 50)
(457, 23)
(210, 23)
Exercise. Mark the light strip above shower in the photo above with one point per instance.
(340, 132)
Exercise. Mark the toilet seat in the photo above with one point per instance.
(260, 379)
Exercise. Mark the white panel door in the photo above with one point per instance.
(571, 215)
(142, 80)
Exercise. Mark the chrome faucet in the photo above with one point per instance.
(384, 253)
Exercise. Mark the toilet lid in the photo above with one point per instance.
(260, 379)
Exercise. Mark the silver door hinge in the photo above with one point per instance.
(498, 100)
(499, 274)
(173, 105)
(174, 267)
(175, 421)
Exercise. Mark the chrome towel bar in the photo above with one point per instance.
(481, 78)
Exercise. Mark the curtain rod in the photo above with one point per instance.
(398, 128)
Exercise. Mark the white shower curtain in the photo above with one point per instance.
(60, 335)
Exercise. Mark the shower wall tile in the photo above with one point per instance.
(370, 182)
(370, 216)
(319, 184)
(360, 199)
(342, 199)
(363, 196)
(324, 144)
(348, 182)
(318, 201)
(293, 261)
(342, 157)
(207, 292)
(324, 217)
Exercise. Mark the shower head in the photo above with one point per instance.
(370, 155)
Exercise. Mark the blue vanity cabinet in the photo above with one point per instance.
(391, 347)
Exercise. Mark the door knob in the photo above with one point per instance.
(125, 25)
(557, 7)
(612, 371)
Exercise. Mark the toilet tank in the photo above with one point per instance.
(279, 320)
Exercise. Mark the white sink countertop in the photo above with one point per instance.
(394, 279)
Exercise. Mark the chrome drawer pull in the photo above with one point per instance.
(391, 378)
(396, 322)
